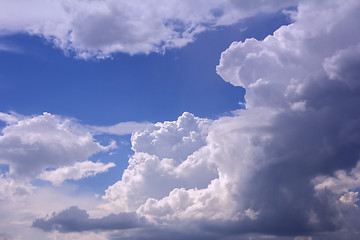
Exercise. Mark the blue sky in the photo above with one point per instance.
(128, 119)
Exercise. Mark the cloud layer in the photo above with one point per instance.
(100, 28)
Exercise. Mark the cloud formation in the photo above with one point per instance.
(100, 28)
(10, 189)
(77, 171)
(74, 219)
(269, 169)
(29, 145)
(161, 163)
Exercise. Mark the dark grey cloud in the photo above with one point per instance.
(74, 219)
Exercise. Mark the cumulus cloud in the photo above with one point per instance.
(281, 167)
(165, 158)
(176, 140)
(31, 144)
(274, 71)
(77, 171)
(100, 28)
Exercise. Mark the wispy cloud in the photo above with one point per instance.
(75, 172)
(123, 128)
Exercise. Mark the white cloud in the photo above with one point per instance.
(165, 158)
(77, 171)
(121, 128)
(33, 144)
(9, 118)
(100, 28)
(234, 148)
(176, 140)
(293, 53)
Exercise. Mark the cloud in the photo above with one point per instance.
(32, 144)
(275, 70)
(122, 128)
(342, 66)
(10, 189)
(77, 171)
(100, 28)
(18, 212)
(340, 182)
(9, 118)
(74, 219)
(259, 170)
(8, 48)
(161, 163)
(176, 140)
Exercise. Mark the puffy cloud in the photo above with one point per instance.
(77, 171)
(100, 28)
(74, 219)
(166, 157)
(274, 70)
(176, 140)
(32, 144)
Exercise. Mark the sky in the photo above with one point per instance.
(168, 119)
